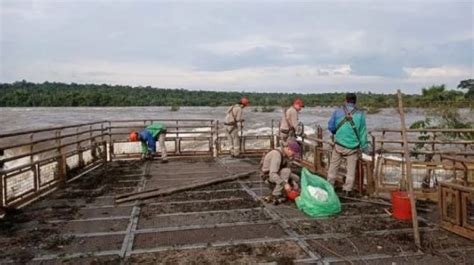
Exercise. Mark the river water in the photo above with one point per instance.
(17, 119)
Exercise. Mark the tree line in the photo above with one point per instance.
(54, 94)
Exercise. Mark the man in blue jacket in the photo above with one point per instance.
(347, 124)
(148, 138)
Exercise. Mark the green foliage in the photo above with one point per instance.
(469, 85)
(442, 116)
(48, 94)
(174, 108)
(267, 109)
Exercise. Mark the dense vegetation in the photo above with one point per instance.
(445, 115)
(49, 94)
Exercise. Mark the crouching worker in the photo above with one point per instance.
(275, 170)
(148, 138)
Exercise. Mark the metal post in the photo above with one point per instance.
(177, 145)
(218, 142)
(62, 163)
(241, 142)
(33, 166)
(272, 140)
(79, 150)
(211, 139)
(416, 232)
(2, 186)
(111, 142)
(278, 135)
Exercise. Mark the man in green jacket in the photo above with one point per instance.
(347, 124)
(148, 137)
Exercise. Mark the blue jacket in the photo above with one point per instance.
(346, 136)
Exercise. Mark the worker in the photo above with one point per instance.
(275, 170)
(148, 138)
(232, 121)
(347, 125)
(290, 127)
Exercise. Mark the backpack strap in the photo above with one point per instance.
(348, 118)
(233, 123)
(290, 126)
(282, 157)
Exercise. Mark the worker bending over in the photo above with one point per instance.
(148, 138)
(275, 170)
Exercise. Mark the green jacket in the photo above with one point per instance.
(149, 136)
(345, 135)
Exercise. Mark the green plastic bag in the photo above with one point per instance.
(310, 205)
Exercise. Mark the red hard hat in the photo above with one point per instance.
(292, 194)
(244, 101)
(298, 101)
(133, 136)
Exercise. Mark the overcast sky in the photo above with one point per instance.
(307, 47)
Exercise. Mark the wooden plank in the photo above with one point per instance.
(416, 232)
(192, 185)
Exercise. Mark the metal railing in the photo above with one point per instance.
(36, 161)
(456, 197)
(427, 148)
(261, 143)
(184, 137)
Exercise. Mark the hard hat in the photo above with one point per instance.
(244, 101)
(133, 136)
(299, 102)
(292, 194)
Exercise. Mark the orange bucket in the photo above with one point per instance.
(401, 205)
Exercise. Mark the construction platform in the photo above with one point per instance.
(219, 224)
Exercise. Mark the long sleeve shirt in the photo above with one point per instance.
(149, 136)
(345, 135)
(234, 115)
(289, 119)
(273, 162)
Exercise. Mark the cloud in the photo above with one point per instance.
(438, 72)
(174, 76)
(271, 45)
(238, 47)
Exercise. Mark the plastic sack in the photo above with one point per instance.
(318, 193)
(312, 206)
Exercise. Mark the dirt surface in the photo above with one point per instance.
(389, 244)
(454, 258)
(201, 219)
(29, 232)
(277, 253)
(84, 260)
(204, 195)
(208, 235)
(354, 225)
(222, 186)
(83, 219)
(238, 203)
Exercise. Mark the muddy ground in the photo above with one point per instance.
(279, 253)
(217, 224)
